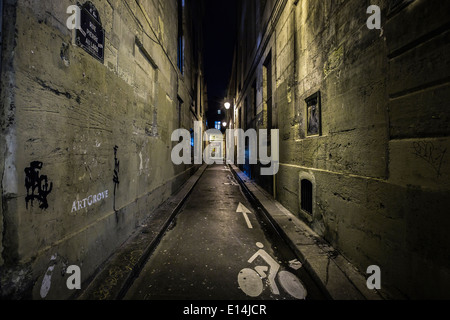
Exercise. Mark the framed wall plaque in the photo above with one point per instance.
(314, 115)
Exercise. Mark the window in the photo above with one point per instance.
(240, 119)
(146, 84)
(218, 125)
(180, 112)
(262, 8)
(192, 139)
(267, 92)
(181, 41)
(313, 112)
(219, 112)
(307, 196)
(247, 114)
(255, 97)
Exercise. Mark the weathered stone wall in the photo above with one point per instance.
(82, 121)
(1, 142)
(380, 167)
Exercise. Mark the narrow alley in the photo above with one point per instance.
(287, 152)
(206, 254)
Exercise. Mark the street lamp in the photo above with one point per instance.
(224, 124)
(227, 105)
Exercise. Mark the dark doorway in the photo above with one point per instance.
(307, 196)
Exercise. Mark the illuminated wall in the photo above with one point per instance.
(363, 117)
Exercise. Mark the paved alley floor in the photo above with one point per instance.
(217, 249)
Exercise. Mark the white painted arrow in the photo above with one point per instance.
(241, 208)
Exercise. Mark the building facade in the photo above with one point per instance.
(86, 129)
(364, 127)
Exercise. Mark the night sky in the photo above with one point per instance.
(219, 34)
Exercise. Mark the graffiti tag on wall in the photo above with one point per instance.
(38, 187)
(434, 156)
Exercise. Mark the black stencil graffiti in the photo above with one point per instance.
(116, 174)
(431, 154)
(37, 185)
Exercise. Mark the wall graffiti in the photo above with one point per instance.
(434, 156)
(116, 174)
(55, 261)
(89, 201)
(38, 187)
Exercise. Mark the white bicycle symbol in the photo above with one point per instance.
(251, 281)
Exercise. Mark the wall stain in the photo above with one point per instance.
(45, 86)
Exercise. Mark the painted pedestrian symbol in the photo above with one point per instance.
(251, 280)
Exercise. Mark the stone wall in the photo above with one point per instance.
(86, 125)
(1, 142)
(380, 164)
